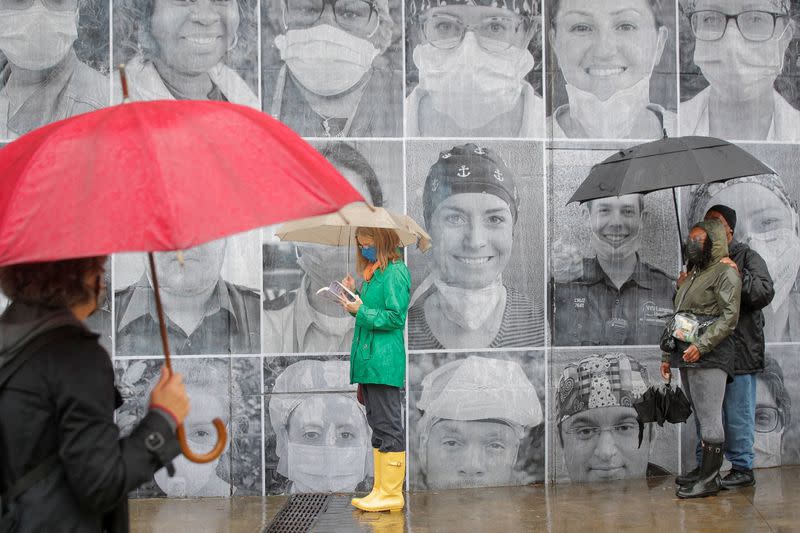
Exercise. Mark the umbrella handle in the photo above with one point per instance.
(219, 447)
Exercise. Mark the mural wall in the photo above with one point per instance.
(509, 103)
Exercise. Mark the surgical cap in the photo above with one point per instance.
(702, 195)
(298, 382)
(608, 380)
(468, 169)
(477, 388)
(525, 8)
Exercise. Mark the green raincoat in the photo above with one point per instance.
(712, 291)
(378, 353)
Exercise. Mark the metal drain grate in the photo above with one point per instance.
(299, 513)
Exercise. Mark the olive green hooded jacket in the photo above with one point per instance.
(714, 290)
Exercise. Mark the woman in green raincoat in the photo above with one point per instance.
(712, 292)
(378, 358)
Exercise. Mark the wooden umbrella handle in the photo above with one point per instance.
(222, 433)
(219, 447)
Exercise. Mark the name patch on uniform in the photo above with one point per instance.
(653, 314)
(580, 303)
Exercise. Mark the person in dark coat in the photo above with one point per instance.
(739, 406)
(58, 407)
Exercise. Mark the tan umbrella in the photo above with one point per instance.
(338, 229)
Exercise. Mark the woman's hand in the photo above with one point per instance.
(349, 283)
(353, 306)
(730, 262)
(682, 277)
(665, 372)
(169, 394)
(691, 354)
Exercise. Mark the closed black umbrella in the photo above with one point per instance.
(662, 404)
(666, 164)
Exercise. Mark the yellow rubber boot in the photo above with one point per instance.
(393, 472)
(376, 484)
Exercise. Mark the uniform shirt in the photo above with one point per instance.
(591, 311)
(299, 328)
(230, 323)
(522, 325)
(70, 89)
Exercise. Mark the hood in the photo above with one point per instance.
(22, 322)
(719, 241)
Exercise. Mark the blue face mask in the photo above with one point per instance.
(369, 253)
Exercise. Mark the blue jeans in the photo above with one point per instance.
(739, 420)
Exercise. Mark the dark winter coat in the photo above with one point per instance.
(63, 400)
(757, 293)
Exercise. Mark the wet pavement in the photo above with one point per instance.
(639, 505)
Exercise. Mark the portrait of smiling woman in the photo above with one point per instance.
(479, 288)
(177, 49)
(603, 55)
(739, 71)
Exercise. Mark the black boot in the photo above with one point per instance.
(708, 482)
(689, 477)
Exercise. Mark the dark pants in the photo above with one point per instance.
(385, 416)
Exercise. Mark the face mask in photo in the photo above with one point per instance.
(469, 84)
(612, 118)
(326, 468)
(325, 59)
(469, 308)
(37, 38)
(767, 448)
(733, 63)
(369, 253)
(780, 249)
(189, 479)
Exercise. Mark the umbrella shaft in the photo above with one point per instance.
(160, 310)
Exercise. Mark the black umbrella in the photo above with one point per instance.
(662, 404)
(666, 164)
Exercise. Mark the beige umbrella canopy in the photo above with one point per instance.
(338, 229)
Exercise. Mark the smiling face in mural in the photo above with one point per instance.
(605, 46)
(474, 233)
(192, 37)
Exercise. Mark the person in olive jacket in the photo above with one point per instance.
(378, 358)
(739, 406)
(713, 293)
(57, 427)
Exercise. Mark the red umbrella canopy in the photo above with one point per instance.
(154, 176)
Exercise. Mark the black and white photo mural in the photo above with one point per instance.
(533, 324)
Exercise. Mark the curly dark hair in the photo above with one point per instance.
(51, 284)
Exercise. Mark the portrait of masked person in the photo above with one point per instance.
(182, 50)
(212, 394)
(596, 424)
(312, 323)
(332, 74)
(473, 59)
(470, 207)
(741, 48)
(204, 313)
(476, 412)
(767, 221)
(606, 51)
(42, 80)
(613, 297)
(322, 439)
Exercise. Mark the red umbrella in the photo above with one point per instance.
(162, 175)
